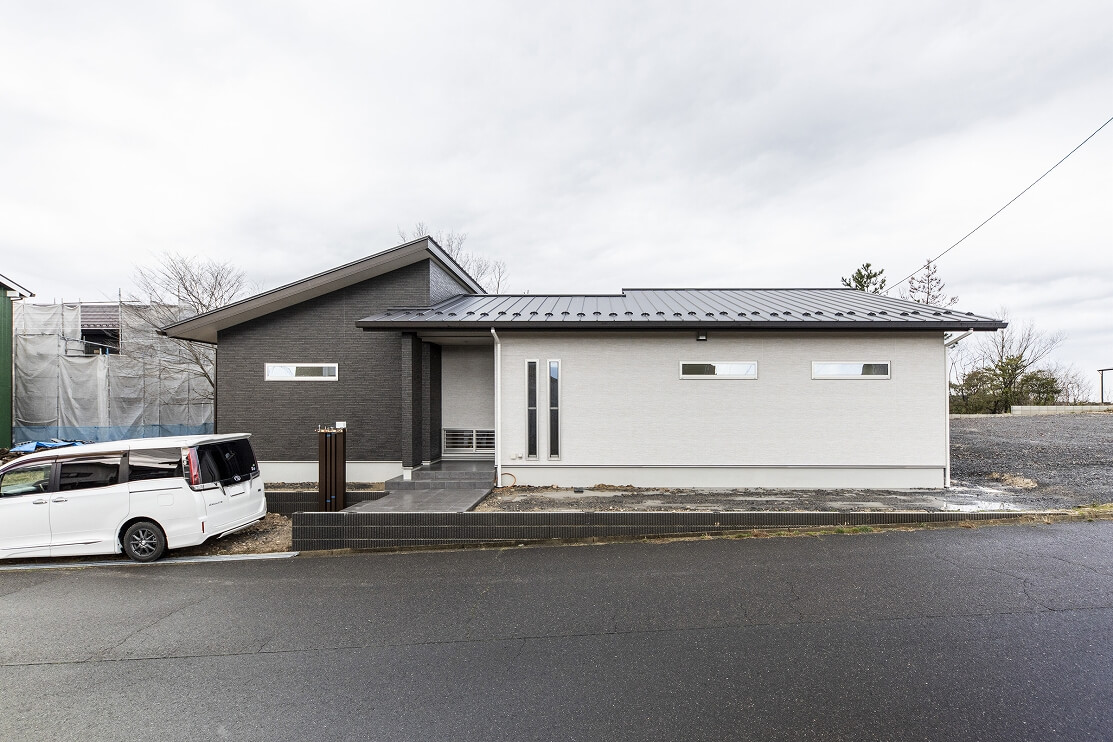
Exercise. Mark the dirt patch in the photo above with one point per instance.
(1014, 480)
(273, 533)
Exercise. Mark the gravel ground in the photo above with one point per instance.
(1068, 457)
(999, 463)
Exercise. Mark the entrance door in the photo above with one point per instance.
(468, 400)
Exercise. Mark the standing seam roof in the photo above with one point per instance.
(672, 307)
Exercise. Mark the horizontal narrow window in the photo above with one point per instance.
(850, 370)
(301, 372)
(718, 369)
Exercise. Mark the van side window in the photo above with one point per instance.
(82, 474)
(154, 463)
(26, 480)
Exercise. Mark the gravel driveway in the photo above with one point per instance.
(998, 463)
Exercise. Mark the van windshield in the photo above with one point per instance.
(226, 462)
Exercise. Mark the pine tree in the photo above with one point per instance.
(866, 279)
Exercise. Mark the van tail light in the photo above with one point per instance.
(194, 468)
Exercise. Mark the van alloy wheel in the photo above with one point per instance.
(144, 541)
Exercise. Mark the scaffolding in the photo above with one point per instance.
(83, 371)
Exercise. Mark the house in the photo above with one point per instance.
(648, 387)
(12, 292)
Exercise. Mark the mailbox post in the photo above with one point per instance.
(331, 482)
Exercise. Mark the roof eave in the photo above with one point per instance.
(204, 327)
(13, 286)
(975, 325)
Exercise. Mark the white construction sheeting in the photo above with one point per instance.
(148, 389)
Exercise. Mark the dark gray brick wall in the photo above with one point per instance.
(376, 383)
(443, 285)
(431, 400)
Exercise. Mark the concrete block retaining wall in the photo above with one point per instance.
(1060, 409)
(348, 530)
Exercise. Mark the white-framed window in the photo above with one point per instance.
(718, 369)
(301, 372)
(532, 393)
(554, 409)
(850, 369)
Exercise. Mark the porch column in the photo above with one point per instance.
(411, 388)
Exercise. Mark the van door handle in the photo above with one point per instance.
(40, 501)
(60, 499)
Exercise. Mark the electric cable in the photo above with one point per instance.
(1014, 198)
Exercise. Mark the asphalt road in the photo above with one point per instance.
(994, 633)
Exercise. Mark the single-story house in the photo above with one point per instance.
(825, 387)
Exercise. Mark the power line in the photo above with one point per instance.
(1014, 198)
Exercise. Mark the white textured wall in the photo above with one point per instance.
(468, 387)
(624, 405)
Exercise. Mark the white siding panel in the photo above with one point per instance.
(624, 406)
(468, 387)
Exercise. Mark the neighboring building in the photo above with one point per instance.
(12, 292)
(650, 387)
(82, 371)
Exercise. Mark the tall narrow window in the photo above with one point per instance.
(554, 409)
(531, 409)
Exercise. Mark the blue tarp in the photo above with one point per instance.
(32, 446)
(104, 433)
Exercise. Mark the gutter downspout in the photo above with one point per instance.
(947, 345)
(498, 408)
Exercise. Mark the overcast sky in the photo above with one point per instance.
(590, 145)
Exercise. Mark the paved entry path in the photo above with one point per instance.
(423, 501)
(443, 487)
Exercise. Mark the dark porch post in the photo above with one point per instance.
(412, 407)
(431, 400)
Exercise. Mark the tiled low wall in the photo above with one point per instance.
(344, 530)
(288, 502)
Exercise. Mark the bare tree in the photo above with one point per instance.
(1011, 353)
(176, 288)
(928, 288)
(490, 274)
(1074, 386)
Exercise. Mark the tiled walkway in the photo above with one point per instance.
(443, 487)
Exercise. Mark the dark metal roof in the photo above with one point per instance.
(205, 327)
(818, 309)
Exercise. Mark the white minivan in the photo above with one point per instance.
(140, 496)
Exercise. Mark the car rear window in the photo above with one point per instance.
(154, 463)
(225, 462)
